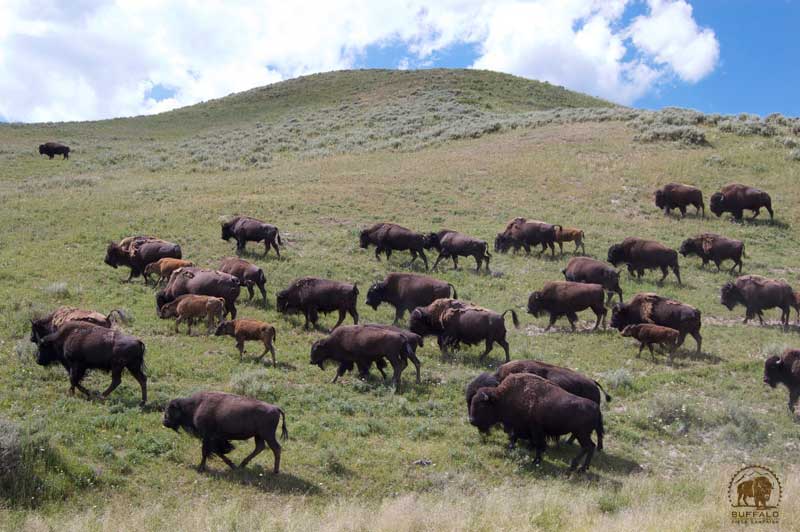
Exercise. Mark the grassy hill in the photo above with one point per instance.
(322, 157)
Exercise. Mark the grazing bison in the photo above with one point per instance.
(735, 198)
(452, 244)
(202, 282)
(678, 196)
(249, 275)
(652, 308)
(388, 237)
(407, 291)
(454, 322)
(81, 346)
(190, 307)
(137, 252)
(640, 255)
(217, 418)
(484, 380)
(649, 334)
(246, 229)
(586, 270)
(244, 330)
(164, 268)
(526, 233)
(531, 407)
(51, 149)
(756, 294)
(570, 234)
(362, 345)
(565, 298)
(785, 369)
(311, 296)
(716, 248)
(49, 324)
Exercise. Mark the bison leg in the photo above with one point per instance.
(342, 314)
(240, 245)
(424, 258)
(206, 451)
(652, 353)
(601, 314)
(116, 379)
(260, 446)
(339, 372)
(240, 347)
(397, 369)
(682, 208)
(455, 261)
(769, 210)
(275, 447)
(677, 271)
(76, 374)
(416, 362)
(560, 248)
(377, 253)
(249, 291)
(439, 258)
(141, 378)
(697, 338)
(572, 317)
(478, 263)
(641, 346)
(756, 213)
(587, 448)
(51, 155)
(553, 318)
(353, 314)
(664, 272)
(794, 394)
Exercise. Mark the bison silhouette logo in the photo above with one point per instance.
(755, 494)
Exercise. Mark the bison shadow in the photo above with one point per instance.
(692, 354)
(265, 362)
(760, 222)
(265, 480)
(257, 253)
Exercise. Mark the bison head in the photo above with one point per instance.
(688, 247)
(282, 301)
(729, 295)
(660, 199)
(48, 352)
(42, 149)
(114, 255)
(226, 328)
(162, 299)
(484, 380)
(375, 295)
(773, 371)
(363, 239)
(620, 316)
(616, 254)
(39, 329)
(175, 416)
(432, 241)
(627, 331)
(535, 304)
(418, 323)
(502, 242)
(168, 310)
(717, 203)
(319, 354)
(482, 411)
(227, 231)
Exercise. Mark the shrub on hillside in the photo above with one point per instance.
(689, 135)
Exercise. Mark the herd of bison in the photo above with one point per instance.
(532, 400)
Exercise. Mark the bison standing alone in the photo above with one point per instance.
(245, 229)
(51, 149)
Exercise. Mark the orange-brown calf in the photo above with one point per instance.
(570, 234)
(244, 330)
(164, 268)
(190, 307)
(649, 334)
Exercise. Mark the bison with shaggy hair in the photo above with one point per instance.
(640, 255)
(736, 198)
(659, 310)
(388, 237)
(452, 244)
(407, 291)
(311, 295)
(784, 369)
(139, 251)
(756, 294)
(522, 233)
(49, 324)
(245, 229)
(51, 149)
(714, 248)
(679, 196)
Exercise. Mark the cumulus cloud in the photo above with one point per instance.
(87, 59)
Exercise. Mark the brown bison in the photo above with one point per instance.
(586, 270)
(137, 252)
(715, 248)
(758, 488)
(454, 322)
(311, 295)
(41, 327)
(191, 307)
(249, 275)
(756, 294)
(407, 291)
(81, 346)
(526, 233)
(362, 345)
(164, 268)
(534, 408)
(570, 234)
(202, 282)
(640, 255)
(244, 330)
(736, 198)
(649, 334)
(51, 149)
(678, 196)
(784, 369)
(565, 298)
(246, 229)
(217, 418)
(652, 308)
(452, 244)
(388, 237)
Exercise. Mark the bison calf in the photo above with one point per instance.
(784, 369)
(244, 330)
(649, 334)
(570, 234)
(217, 418)
(190, 307)
(164, 268)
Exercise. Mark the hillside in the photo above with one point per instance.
(338, 152)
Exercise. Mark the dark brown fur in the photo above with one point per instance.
(736, 198)
(785, 370)
(452, 244)
(407, 291)
(640, 255)
(245, 229)
(586, 270)
(388, 237)
(137, 252)
(311, 295)
(200, 281)
(678, 196)
(526, 233)
(756, 294)
(715, 248)
(249, 275)
(51, 149)
(652, 308)
(565, 298)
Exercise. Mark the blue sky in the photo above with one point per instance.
(62, 60)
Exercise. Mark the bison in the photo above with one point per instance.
(649, 334)
(679, 196)
(246, 229)
(454, 322)
(363, 345)
(137, 252)
(715, 248)
(81, 346)
(388, 237)
(407, 291)
(244, 330)
(586, 270)
(200, 281)
(570, 234)
(164, 268)
(249, 275)
(311, 295)
(41, 327)
(217, 418)
(785, 369)
(640, 255)
(452, 244)
(756, 294)
(190, 307)
(652, 308)
(565, 298)
(526, 233)
(736, 198)
(51, 149)
(531, 407)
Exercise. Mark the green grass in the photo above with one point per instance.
(674, 432)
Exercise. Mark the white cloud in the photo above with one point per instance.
(88, 59)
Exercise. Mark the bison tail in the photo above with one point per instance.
(600, 431)
(178, 252)
(453, 288)
(409, 349)
(284, 432)
(514, 317)
(608, 397)
(118, 315)
(744, 252)
(278, 237)
(261, 277)
(142, 364)
(355, 288)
